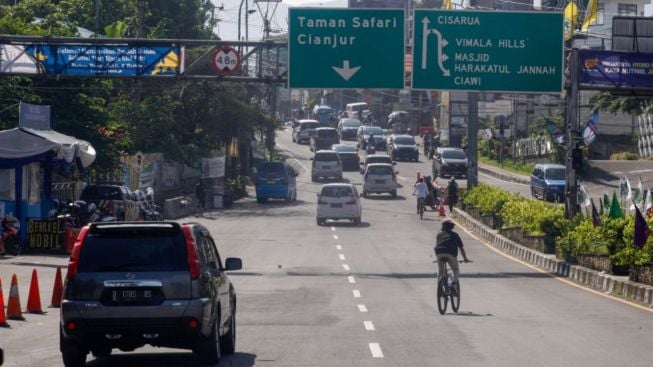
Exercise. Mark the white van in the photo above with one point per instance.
(355, 110)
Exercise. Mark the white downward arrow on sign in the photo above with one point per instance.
(345, 71)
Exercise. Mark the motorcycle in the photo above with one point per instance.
(370, 149)
(10, 227)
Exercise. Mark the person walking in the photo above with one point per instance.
(452, 193)
(200, 195)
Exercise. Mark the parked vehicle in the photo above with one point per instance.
(326, 164)
(355, 110)
(380, 178)
(116, 199)
(324, 138)
(302, 133)
(363, 136)
(449, 162)
(150, 283)
(348, 156)
(348, 127)
(376, 158)
(9, 229)
(548, 182)
(338, 201)
(402, 147)
(275, 180)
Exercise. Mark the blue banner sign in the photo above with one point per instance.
(91, 60)
(610, 69)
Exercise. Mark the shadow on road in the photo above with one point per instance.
(346, 224)
(384, 197)
(170, 360)
(469, 313)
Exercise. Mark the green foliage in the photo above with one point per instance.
(627, 253)
(487, 198)
(583, 238)
(624, 156)
(534, 216)
(517, 167)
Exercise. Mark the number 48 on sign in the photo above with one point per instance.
(226, 60)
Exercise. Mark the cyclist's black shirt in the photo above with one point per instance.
(448, 242)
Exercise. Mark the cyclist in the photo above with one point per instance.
(446, 249)
(420, 191)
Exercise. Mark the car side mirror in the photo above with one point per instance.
(233, 263)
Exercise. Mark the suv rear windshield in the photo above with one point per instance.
(555, 174)
(326, 157)
(454, 154)
(337, 192)
(382, 159)
(379, 170)
(330, 133)
(404, 140)
(271, 170)
(101, 193)
(308, 125)
(368, 130)
(133, 250)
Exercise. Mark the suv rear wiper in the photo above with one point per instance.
(121, 266)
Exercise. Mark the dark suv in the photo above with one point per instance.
(137, 283)
(324, 138)
(115, 199)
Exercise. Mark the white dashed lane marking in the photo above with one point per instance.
(346, 267)
(357, 293)
(335, 237)
(375, 348)
(369, 326)
(333, 228)
(338, 247)
(341, 256)
(362, 308)
(351, 279)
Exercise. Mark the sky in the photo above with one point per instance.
(227, 27)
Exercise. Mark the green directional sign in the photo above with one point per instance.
(488, 51)
(345, 48)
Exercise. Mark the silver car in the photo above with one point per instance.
(380, 178)
(326, 164)
(338, 201)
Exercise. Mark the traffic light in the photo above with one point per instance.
(577, 159)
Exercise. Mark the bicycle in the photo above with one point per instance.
(448, 289)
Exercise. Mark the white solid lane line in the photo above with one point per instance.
(375, 348)
(362, 308)
(369, 326)
(346, 267)
(351, 279)
(338, 247)
(357, 293)
(341, 256)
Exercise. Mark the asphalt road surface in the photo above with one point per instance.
(344, 295)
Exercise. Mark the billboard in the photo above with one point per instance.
(615, 70)
(91, 60)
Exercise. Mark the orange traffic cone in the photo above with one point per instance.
(34, 297)
(3, 317)
(57, 290)
(441, 211)
(13, 306)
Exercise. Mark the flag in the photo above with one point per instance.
(591, 127)
(556, 134)
(615, 208)
(591, 14)
(596, 219)
(625, 190)
(486, 134)
(641, 229)
(446, 4)
(583, 197)
(570, 19)
(638, 192)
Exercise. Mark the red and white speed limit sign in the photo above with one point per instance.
(226, 60)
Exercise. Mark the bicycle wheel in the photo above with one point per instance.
(454, 294)
(442, 296)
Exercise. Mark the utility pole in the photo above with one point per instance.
(472, 140)
(571, 129)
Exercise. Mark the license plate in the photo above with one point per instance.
(131, 295)
(379, 181)
(271, 182)
(326, 167)
(336, 205)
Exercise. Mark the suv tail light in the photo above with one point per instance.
(191, 252)
(74, 255)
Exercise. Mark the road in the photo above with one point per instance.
(341, 295)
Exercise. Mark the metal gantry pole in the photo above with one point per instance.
(472, 140)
